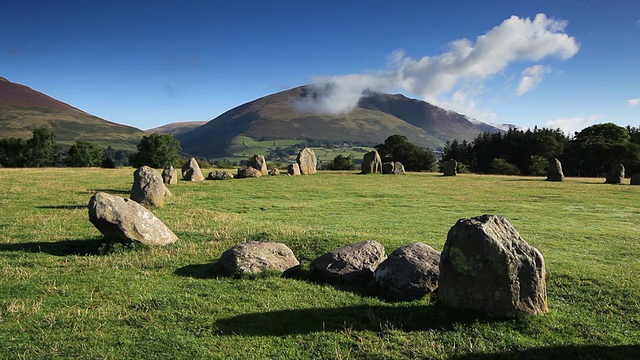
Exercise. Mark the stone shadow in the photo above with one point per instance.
(62, 207)
(111, 191)
(562, 352)
(200, 271)
(372, 318)
(84, 247)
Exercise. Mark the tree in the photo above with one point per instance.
(596, 148)
(156, 151)
(84, 154)
(413, 157)
(12, 152)
(341, 162)
(42, 150)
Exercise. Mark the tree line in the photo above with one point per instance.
(42, 150)
(590, 152)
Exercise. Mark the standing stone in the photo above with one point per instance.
(635, 179)
(554, 170)
(353, 263)
(409, 273)
(449, 168)
(259, 163)
(257, 257)
(125, 220)
(191, 171)
(293, 169)
(274, 172)
(487, 267)
(170, 175)
(371, 162)
(148, 189)
(307, 161)
(398, 168)
(248, 172)
(615, 175)
(387, 168)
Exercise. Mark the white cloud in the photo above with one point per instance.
(531, 77)
(571, 125)
(437, 78)
(633, 102)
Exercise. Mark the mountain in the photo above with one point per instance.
(275, 117)
(23, 109)
(176, 127)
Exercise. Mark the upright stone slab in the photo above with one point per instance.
(554, 170)
(293, 169)
(257, 257)
(615, 175)
(398, 168)
(409, 273)
(307, 161)
(371, 163)
(170, 175)
(259, 163)
(635, 179)
(191, 171)
(387, 168)
(486, 266)
(148, 188)
(353, 263)
(449, 168)
(125, 220)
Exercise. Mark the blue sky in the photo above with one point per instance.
(149, 63)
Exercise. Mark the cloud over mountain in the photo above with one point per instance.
(439, 78)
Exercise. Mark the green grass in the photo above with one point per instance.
(150, 303)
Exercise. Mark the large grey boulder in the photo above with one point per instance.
(257, 257)
(148, 188)
(487, 267)
(170, 175)
(371, 163)
(635, 179)
(125, 220)
(398, 168)
(353, 263)
(615, 175)
(307, 161)
(293, 169)
(409, 273)
(554, 170)
(259, 163)
(219, 175)
(248, 172)
(191, 171)
(449, 168)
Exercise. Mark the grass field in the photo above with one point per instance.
(63, 295)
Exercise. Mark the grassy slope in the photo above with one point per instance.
(161, 303)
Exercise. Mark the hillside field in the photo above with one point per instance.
(63, 294)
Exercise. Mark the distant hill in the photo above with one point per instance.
(274, 117)
(176, 127)
(23, 109)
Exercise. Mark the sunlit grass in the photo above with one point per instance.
(166, 302)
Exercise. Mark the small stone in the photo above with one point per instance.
(257, 257)
(353, 263)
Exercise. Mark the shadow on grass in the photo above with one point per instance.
(112, 191)
(373, 318)
(60, 248)
(562, 352)
(63, 207)
(200, 271)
